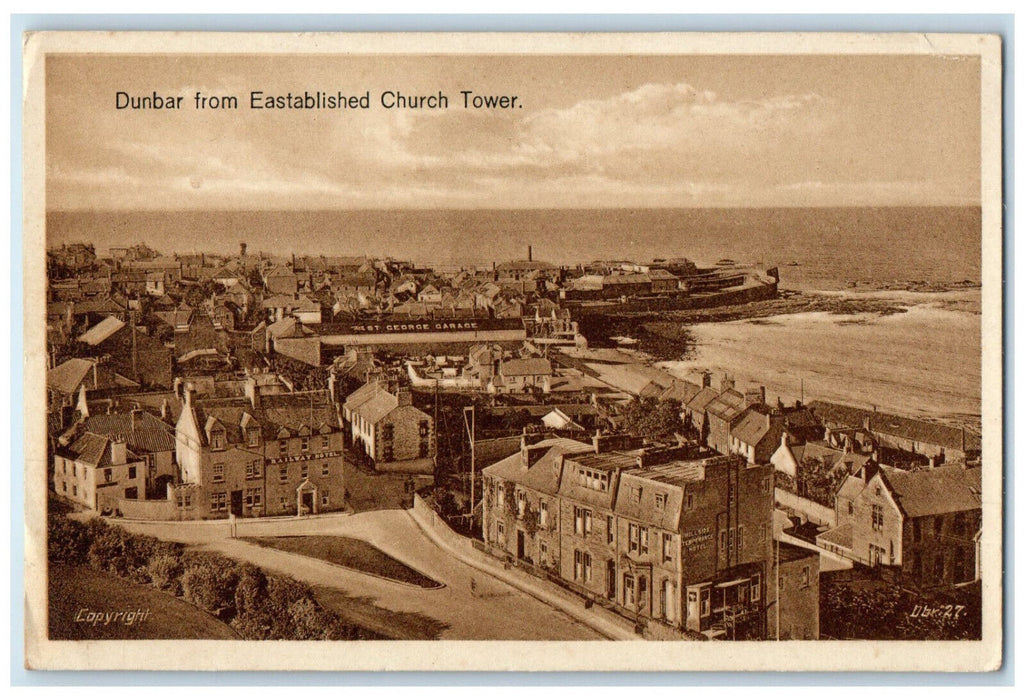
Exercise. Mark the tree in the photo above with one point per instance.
(649, 416)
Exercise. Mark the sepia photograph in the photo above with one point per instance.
(457, 351)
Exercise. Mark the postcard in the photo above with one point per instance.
(527, 352)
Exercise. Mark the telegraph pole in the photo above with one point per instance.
(471, 431)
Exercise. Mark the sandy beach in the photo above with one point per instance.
(926, 361)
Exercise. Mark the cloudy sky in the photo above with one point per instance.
(592, 132)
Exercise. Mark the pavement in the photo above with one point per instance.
(474, 603)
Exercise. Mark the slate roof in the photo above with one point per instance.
(934, 491)
(101, 331)
(544, 474)
(146, 433)
(751, 427)
(69, 375)
(701, 399)
(526, 367)
(276, 412)
(928, 432)
(727, 405)
(94, 450)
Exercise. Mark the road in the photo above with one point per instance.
(494, 610)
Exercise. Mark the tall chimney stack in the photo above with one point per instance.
(242, 249)
(530, 253)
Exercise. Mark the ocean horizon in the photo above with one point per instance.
(824, 247)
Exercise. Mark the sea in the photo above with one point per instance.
(925, 362)
(816, 248)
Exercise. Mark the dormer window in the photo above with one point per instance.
(252, 437)
(217, 439)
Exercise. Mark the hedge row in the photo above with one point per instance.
(257, 605)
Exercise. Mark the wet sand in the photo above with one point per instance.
(925, 360)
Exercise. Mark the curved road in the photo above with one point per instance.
(494, 610)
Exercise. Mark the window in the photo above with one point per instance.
(325, 497)
(667, 547)
(644, 540)
(850, 507)
(388, 455)
(188, 500)
(131, 472)
(500, 495)
(283, 503)
(805, 577)
(756, 588)
(960, 523)
(581, 521)
(283, 474)
(879, 490)
(304, 444)
(722, 540)
(217, 439)
(218, 501)
(325, 442)
(425, 429)
(660, 501)
(635, 537)
(767, 485)
(501, 531)
(543, 548)
(542, 517)
(937, 567)
(629, 594)
(74, 469)
(252, 437)
(282, 448)
(325, 470)
(387, 431)
(305, 471)
(65, 486)
(877, 517)
(521, 503)
(706, 602)
(761, 534)
(688, 501)
(108, 475)
(74, 490)
(610, 529)
(218, 474)
(636, 492)
(740, 538)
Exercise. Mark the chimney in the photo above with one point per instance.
(706, 379)
(405, 397)
(530, 452)
(754, 396)
(188, 393)
(784, 439)
(118, 450)
(83, 405)
(242, 249)
(866, 423)
(530, 253)
(136, 418)
(164, 410)
(726, 384)
(932, 463)
(252, 391)
(177, 387)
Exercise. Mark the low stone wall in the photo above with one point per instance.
(814, 512)
(147, 510)
(427, 517)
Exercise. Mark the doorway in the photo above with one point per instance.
(236, 503)
(521, 545)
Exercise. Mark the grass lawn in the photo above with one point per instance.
(77, 591)
(350, 553)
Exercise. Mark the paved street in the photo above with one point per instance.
(495, 611)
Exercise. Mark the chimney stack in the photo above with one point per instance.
(252, 391)
(530, 253)
(242, 249)
(118, 450)
(164, 410)
(405, 397)
(706, 379)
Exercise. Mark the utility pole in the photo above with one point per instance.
(471, 431)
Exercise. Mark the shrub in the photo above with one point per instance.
(209, 582)
(67, 541)
(165, 572)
